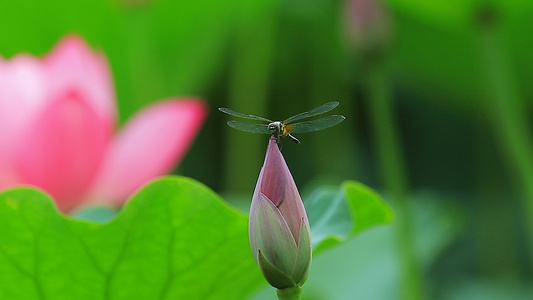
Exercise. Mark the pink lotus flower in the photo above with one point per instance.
(57, 122)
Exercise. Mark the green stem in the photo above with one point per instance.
(394, 175)
(249, 90)
(508, 115)
(328, 75)
(148, 83)
(293, 293)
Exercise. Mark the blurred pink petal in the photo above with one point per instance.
(22, 84)
(73, 65)
(63, 149)
(149, 145)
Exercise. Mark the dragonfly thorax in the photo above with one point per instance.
(276, 127)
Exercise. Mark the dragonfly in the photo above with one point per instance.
(287, 127)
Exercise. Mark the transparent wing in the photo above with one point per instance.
(241, 115)
(313, 112)
(249, 127)
(314, 125)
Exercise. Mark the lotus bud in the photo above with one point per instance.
(279, 229)
(370, 27)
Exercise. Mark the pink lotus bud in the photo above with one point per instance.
(369, 25)
(279, 229)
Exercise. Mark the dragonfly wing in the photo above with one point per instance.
(249, 127)
(314, 125)
(313, 112)
(242, 115)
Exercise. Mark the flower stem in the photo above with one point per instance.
(393, 174)
(249, 88)
(508, 114)
(292, 293)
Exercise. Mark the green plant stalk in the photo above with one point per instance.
(329, 70)
(249, 89)
(293, 293)
(151, 82)
(492, 213)
(394, 175)
(507, 112)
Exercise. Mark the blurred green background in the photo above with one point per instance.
(438, 100)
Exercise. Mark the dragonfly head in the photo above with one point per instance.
(275, 127)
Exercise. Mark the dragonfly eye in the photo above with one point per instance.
(273, 127)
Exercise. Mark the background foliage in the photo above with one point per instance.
(458, 73)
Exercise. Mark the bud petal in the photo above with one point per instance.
(277, 184)
(302, 265)
(273, 275)
(270, 234)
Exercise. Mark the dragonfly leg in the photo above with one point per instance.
(297, 141)
(278, 141)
